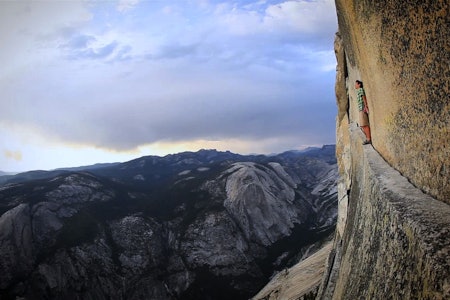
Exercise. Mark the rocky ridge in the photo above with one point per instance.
(209, 225)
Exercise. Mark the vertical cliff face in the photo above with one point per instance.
(393, 232)
(401, 51)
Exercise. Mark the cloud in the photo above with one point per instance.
(277, 36)
(301, 16)
(162, 106)
(27, 31)
(312, 22)
(88, 47)
(121, 75)
(80, 41)
(173, 51)
(125, 5)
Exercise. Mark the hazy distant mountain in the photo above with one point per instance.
(5, 173)
(203, 225)
(91, 167)
(10, 177)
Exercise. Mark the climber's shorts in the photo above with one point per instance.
(363, 119)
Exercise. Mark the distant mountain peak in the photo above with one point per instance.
(192, 225)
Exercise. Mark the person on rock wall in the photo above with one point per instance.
(363, 111)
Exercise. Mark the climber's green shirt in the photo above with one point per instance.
(359, 96)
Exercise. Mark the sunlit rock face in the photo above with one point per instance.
(392, 238)
(400, 50)
(262, 202)
(204, 225)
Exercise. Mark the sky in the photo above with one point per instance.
(85, 82)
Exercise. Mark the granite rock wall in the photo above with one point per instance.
(393, 233)
(401, 50)
(395, 241)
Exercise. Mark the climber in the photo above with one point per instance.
(363, 111)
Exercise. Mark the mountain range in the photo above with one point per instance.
(193, 225)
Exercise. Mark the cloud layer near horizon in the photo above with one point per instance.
(122, 74)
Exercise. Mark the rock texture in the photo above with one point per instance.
(392, 238)
(396, 240)
(401, 51)
(205, 225)
(299, 281)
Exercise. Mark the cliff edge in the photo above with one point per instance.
(393, 233)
